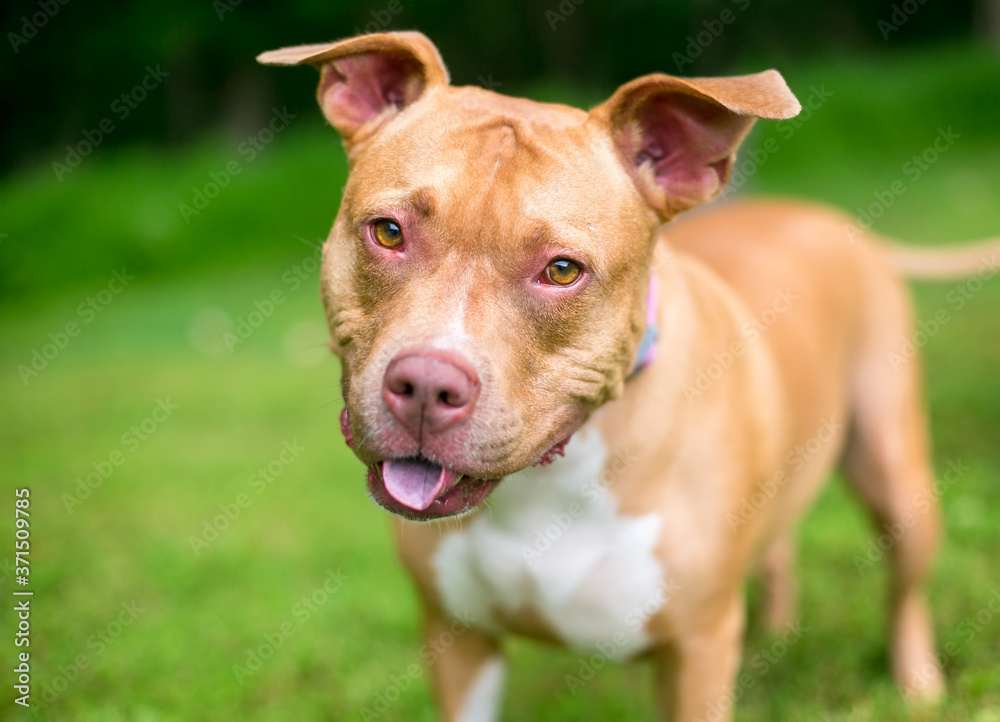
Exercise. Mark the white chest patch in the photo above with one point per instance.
(553, 542)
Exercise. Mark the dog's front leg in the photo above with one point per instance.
(697, 670)
(467, 670)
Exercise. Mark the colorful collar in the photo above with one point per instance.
(648, 346)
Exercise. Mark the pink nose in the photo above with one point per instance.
(429, 392)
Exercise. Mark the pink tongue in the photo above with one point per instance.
(415, 483)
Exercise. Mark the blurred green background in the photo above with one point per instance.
(159, 592)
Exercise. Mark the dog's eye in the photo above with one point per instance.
(562, 272)
(387, 233)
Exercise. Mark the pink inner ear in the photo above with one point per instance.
(357, 88)
(689, 143)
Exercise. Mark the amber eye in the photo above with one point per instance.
(387, 233)
(562, 271)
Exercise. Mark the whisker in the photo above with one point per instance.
(328, 403)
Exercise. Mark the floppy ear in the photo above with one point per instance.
(678, 136)
(366, 80)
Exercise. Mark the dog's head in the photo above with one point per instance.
(485, 280)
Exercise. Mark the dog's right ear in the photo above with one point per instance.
(677, 137)
(366, 80)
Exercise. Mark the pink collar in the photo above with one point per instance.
(649, 345)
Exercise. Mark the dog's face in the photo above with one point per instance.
(486, 276)
(484, 283)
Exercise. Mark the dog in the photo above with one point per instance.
(620, 417)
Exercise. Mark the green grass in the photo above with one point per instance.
(129, 542)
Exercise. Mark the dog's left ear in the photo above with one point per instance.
(678, 136)
(366, 80)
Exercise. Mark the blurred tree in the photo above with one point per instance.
(988, 21)
(67, 61)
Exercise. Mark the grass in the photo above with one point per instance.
(195, 613)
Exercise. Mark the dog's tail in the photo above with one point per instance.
(942, 263)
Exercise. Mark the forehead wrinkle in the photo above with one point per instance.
(504, 147)
(520, 168)
(506, 128)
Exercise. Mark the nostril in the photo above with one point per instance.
(429, 392)
(455, 397)
(400, 385)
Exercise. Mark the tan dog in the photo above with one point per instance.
(489, 279)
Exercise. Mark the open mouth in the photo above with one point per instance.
(420, 490)
(416, 488)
